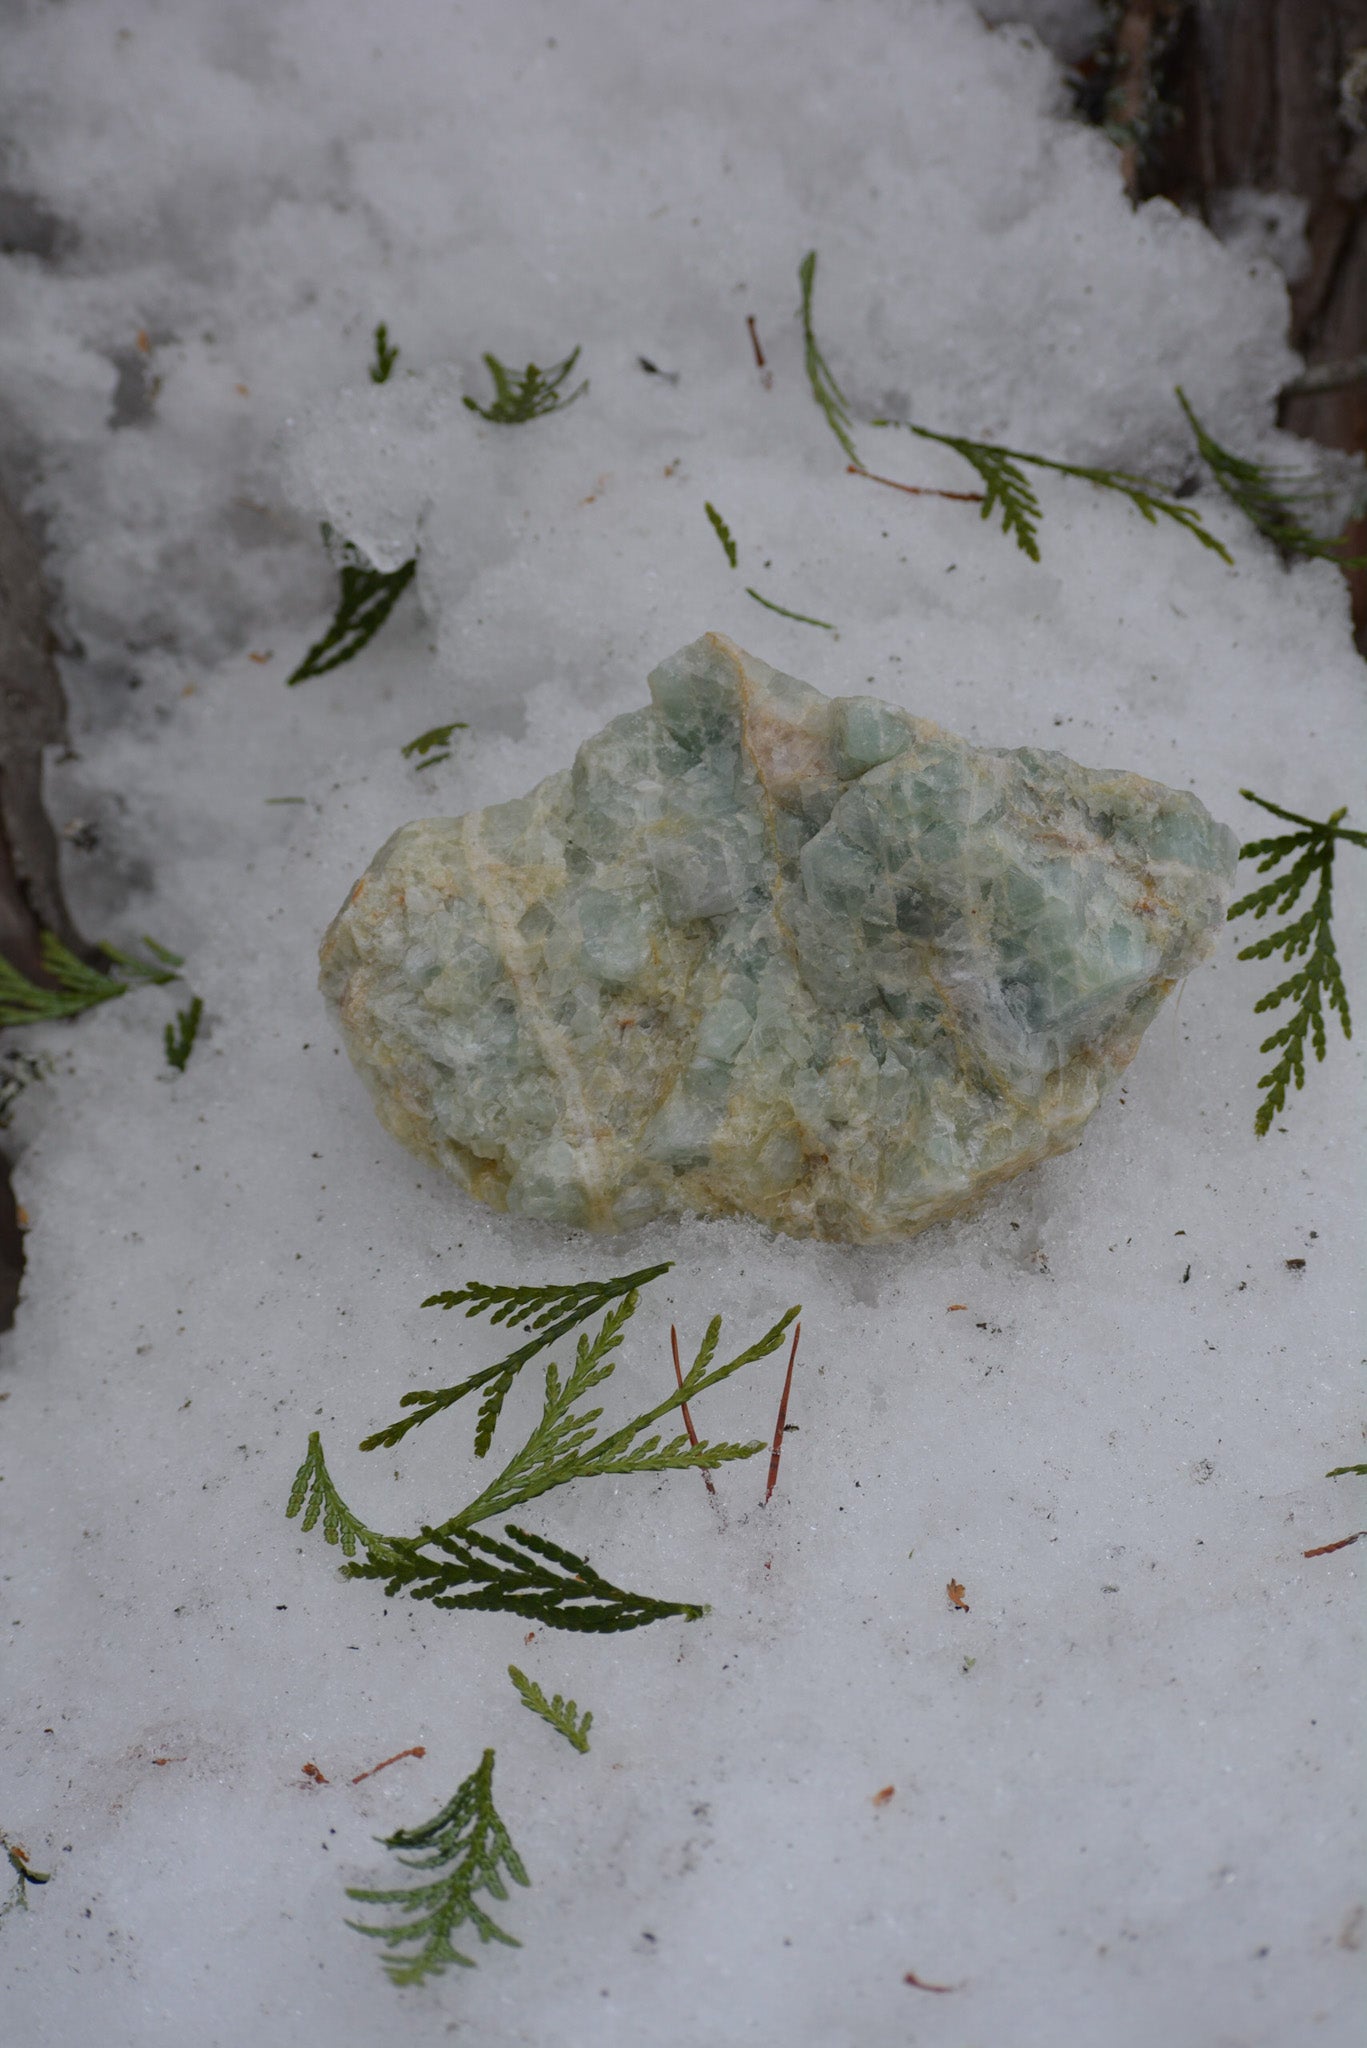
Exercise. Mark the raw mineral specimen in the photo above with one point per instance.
(770, 953)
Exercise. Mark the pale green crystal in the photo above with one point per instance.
(769, 953)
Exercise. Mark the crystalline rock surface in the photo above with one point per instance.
(767, 952)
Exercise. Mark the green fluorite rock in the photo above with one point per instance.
(769, 953)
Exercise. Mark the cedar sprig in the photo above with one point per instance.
(1272, 499)
(549, 1312)
(76, 986)
(1007, 489)
(565, 1446)
(563, 1714)
(469, 1845)
(536, 393)
(525, 1575)
(825, 390)
(1317, 985)
(366, 596)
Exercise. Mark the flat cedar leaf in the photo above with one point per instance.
(1317, 985)
(365, 599)
(468, 1850)
(526, 1575)
(550, 1312)
(536, 393)
(1270, 499)
(563, 1715)
(722, 531)
(1008, 490)
(78, 987)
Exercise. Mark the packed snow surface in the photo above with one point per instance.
(1123, 1802)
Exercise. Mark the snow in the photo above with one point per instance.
(1126, 1803)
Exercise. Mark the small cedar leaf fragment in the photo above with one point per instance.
(722, 531)
(955, 1594)
(537, 393)
(562, 1714)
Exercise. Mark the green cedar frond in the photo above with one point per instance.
(180, 1037)
(550, 1312)
(1339, 1471)
(1007, 487)
(385, 356)
(825, 390)
(562, 1714)
(1271, 498)
(537, 393)
(1309, 937)
(802, 617)
(313, 1491)
(564, 1445)
(78, 987)
(526, 1575)
(469, 1845)
(365, 599)
(438, 736)
(722, 531)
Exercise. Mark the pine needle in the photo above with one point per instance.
(530, 398)
(722, 531)
(825, 390)
(365, 599)
(562, 1714)
(550, 1312)
(1318, 984)
(1269, 498)
(466, 1842)
(76, 986)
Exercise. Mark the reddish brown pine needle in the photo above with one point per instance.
(683, 1408)
(766, 376)
(777, 1451)
(913, 490)
(921, 1984)
(418, 1750)
(1324, 1549)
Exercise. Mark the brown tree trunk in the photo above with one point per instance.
(1271, 95)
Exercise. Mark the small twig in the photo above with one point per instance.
(683, 1408)
(777, 1451)
(397, 1757)
(913, 490)
(1323, 1549)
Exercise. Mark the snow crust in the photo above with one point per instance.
(1125, 1806)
